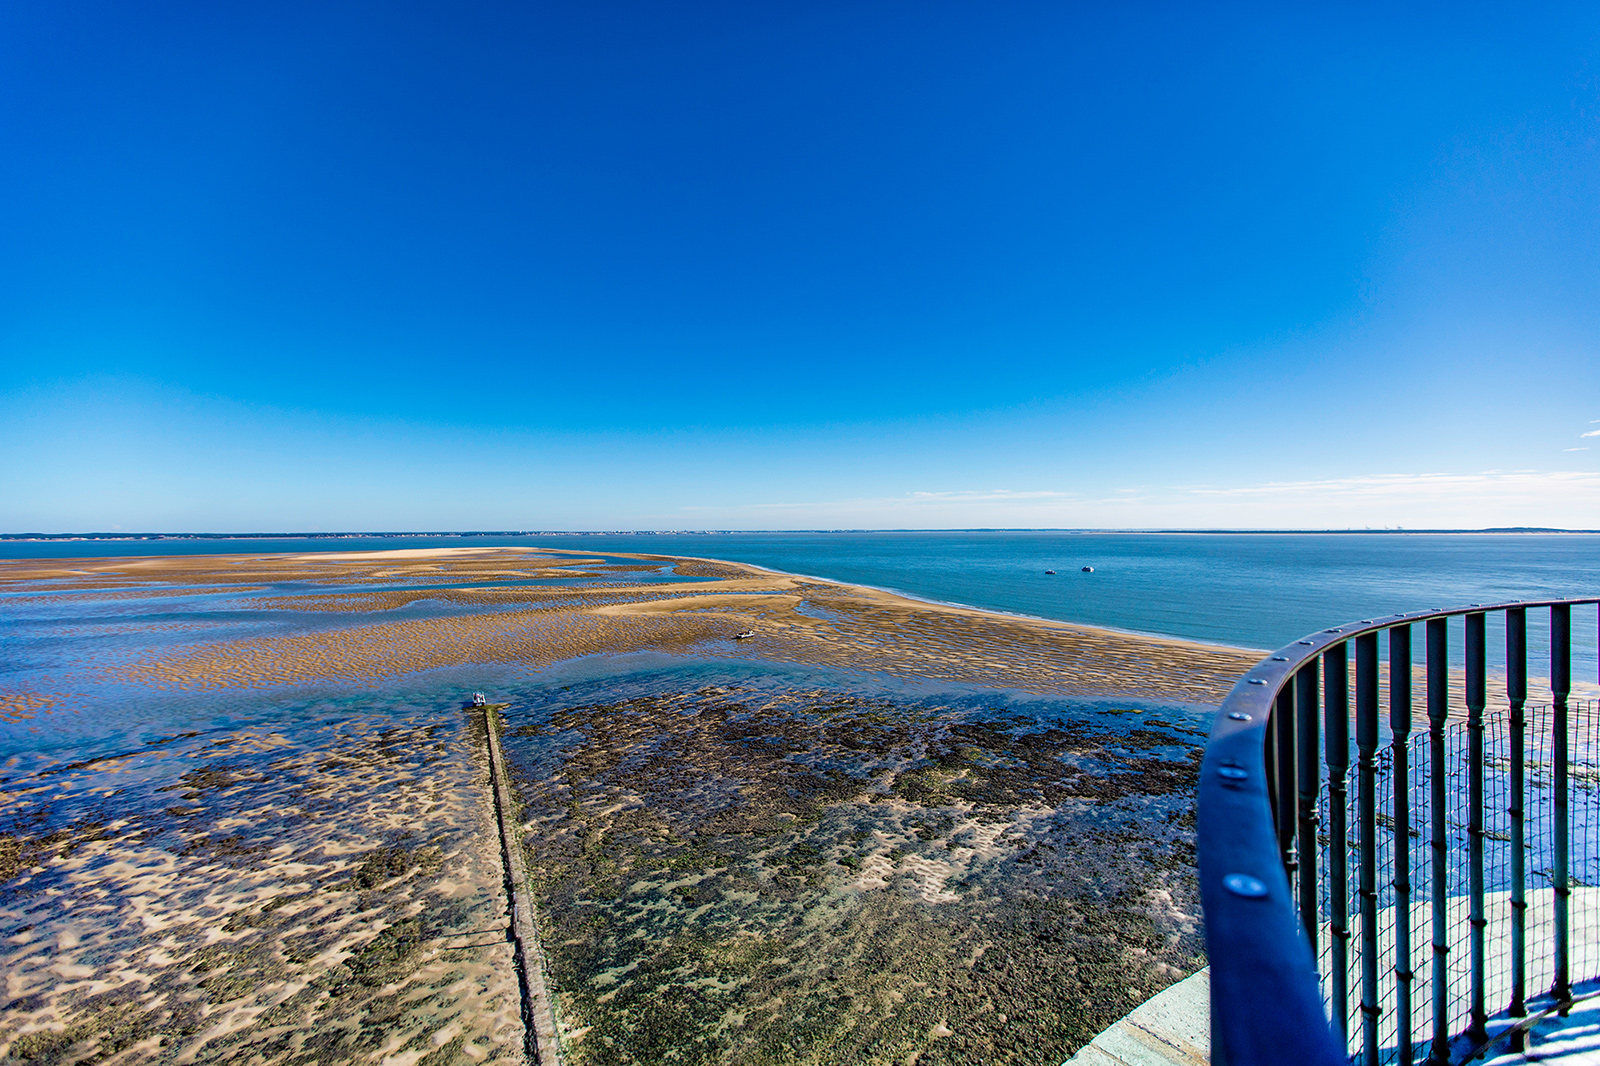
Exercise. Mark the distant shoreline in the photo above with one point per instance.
(355, 534)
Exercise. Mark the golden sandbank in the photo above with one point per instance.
(593, 606)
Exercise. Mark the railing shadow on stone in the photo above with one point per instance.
(1417, 895)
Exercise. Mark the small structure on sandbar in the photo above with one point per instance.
(480, 700)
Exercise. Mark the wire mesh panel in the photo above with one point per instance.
(1416, 836)
(1362, 807)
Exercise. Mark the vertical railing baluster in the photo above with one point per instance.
(1400, 727)
(1367, 874)
(1517, 697)
(1288, 799)
(1560, 685)
(1270, 758)
(1336, 725)
(1438, 710)
(1308, 779)
(1477, 696)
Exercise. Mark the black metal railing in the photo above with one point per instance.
(1408, 904)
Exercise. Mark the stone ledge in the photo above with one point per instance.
(1172, 1028)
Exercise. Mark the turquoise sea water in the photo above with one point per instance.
(1249, 590)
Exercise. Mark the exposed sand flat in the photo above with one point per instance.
(395, 648)
(911, 643)
(871, 879)
(753, 871)
(413, 553)
(604, 608)
(601, 610)
(445, 564)
(324, 898)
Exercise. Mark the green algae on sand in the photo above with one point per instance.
(730, 876)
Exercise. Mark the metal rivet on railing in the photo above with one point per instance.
(1280, 658)
(1307, 643)
(1239, 716)
(1257, 681)
(1333, 631)
(1233, 773)
(1245, 885)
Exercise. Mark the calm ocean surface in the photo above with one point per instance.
(1251, 590)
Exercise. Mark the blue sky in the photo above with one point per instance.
(796, 265)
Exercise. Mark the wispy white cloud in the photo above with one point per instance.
(1569, 499)
(1583, 449)
(1591, 433)
(909, 500)
(1383, 485)
(989, 494)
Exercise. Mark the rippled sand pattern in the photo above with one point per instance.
(812, 877)
(256, 897)
(795, 620)
(388, 650)
(863, 629)
(19, 706)
(248, 571)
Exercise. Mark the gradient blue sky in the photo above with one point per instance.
(730, 265)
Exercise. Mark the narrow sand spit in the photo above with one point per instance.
(604, 608)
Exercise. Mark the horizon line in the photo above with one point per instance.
(336, 534)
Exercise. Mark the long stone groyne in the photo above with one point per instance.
(538, 1012)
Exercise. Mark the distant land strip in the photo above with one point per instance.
(348, 534)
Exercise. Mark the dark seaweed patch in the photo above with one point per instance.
(705, 866)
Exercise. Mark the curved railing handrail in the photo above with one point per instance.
(1266, 993)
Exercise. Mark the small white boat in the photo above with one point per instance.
(746, 635)
(1049, 571)
(479, 700)
(1088, 569)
